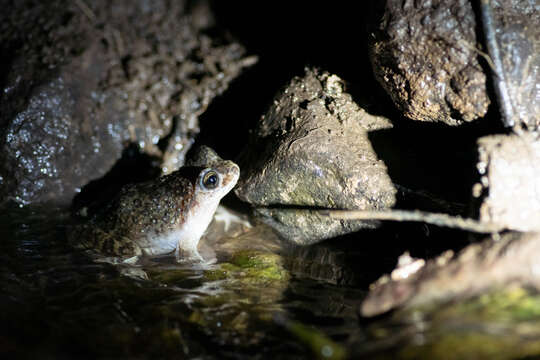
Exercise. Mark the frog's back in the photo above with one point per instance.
(138, 212)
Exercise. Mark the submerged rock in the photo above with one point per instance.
(424, 55)
(81, 80)
(311, 149)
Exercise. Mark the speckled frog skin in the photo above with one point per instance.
(167, 214)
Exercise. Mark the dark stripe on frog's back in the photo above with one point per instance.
(165, 200)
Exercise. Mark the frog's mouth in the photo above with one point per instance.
(231, 177)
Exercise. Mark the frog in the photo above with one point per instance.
(162, 216)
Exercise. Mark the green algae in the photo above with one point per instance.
(320, 344)
(474, 345)
(512, 304)
(229, 300)
(502, 324)
(250, 268)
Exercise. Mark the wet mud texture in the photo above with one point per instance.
(81, 80)
(311, 150)
(424, 55)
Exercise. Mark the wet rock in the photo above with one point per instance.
(424, 55)
(306, 227)
(509, 186)
(311, 149)
(513, 42)
(320, 263)
(81, 80)
(489, 265)
(229, 234)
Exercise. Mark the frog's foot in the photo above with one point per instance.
(132, 260)
(133, 272)
(189, 257)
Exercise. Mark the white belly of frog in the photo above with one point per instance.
(155, 244)
(184, 241)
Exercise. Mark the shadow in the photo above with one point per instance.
(133, 167)
(226, 124)
(288, 36)
(429, 157)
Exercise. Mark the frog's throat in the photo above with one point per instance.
(184, 239)
(194, 226)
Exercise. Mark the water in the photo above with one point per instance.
(60, 303)
(260, 300)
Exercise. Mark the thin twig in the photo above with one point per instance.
(438, 219)
(482, 54)
(86, 10)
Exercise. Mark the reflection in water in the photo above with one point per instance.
(66, 304)
(260, 299)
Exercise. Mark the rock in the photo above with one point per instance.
(513, 42)
(82, 79)
(509, 187)
(306, 227)
(311, 149)
(509, 198)
(489, 265)
(424, 55)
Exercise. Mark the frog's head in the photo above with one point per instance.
(216, 176)
(215, 181)
(212, 178)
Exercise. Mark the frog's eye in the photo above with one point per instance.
(210, 180)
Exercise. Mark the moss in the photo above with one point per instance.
(502, 324)
(215, 275)
(197, 317)
(511, 304)
(507, 305)
(322, 346)
(250, 267)
(473, 345)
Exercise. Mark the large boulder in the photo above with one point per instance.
(424, 54)
(81, 80)
(311, 150)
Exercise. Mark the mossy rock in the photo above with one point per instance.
(250, 267)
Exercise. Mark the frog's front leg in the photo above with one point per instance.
(190, 255)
